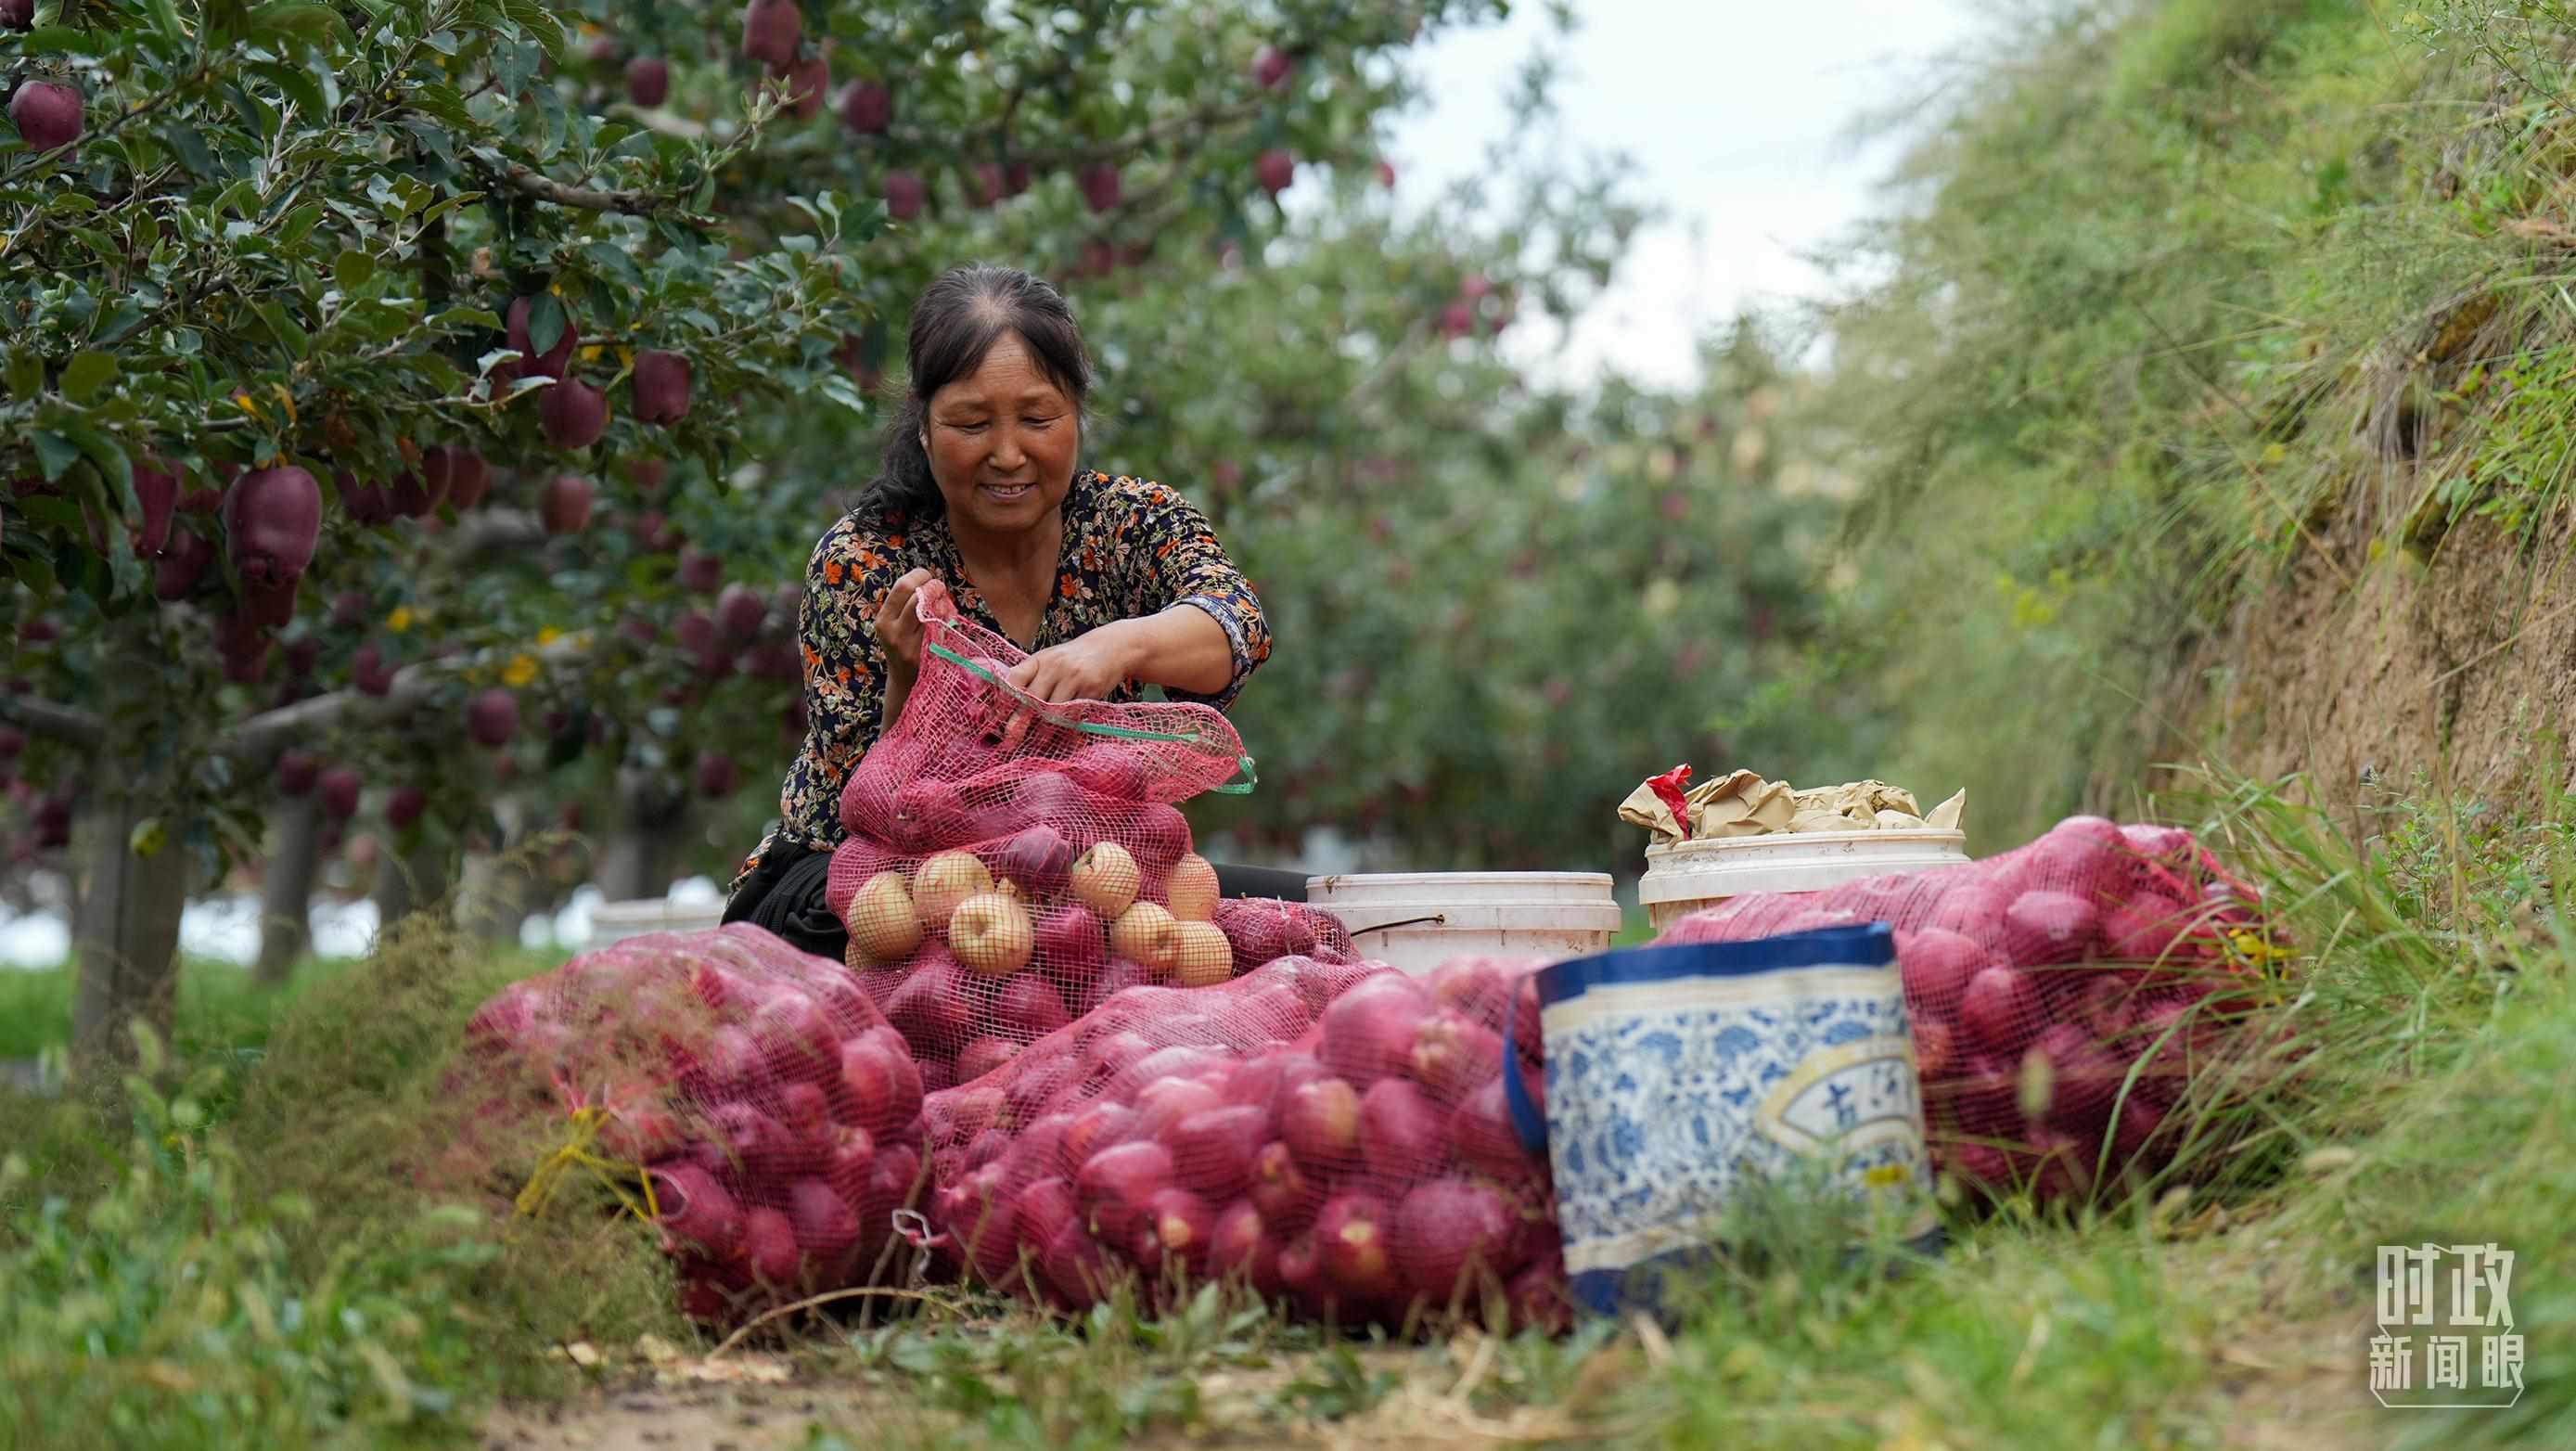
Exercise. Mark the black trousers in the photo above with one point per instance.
(784, 894)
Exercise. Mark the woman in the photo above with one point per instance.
(1108, 583)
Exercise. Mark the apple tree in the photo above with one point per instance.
(340, 335)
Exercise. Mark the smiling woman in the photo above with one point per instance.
(1110, 583)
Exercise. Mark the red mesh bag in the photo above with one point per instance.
(1335, 1136)
(743, 1093)
(2065, 996)
(1010, 864)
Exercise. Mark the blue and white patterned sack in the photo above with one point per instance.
(1675, 1073)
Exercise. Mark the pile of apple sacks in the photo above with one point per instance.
(2066, 998)
(1333, 1135)
(775, 1115)
(978, 950)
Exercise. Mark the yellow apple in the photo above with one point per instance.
(1201, 957)
(991, 933)
(1145, 934)
(1105, 879)
(944, 881)
(882, 922)
(1192, 889)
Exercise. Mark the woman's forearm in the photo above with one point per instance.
(1181, 648)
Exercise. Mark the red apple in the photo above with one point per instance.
(771, 31)
(552, 362)
(1370, 1030)
(1447, 1230)
(1038, 859)
(1282, 1191)
(1174, 1233)
(1352, 1232)
(1270, 68)
(1164, 1102)
(904, 195)
(1403, 1135)
(340, 786)
(1213, 1149)
(661, 386)
(1452, 1053)
(47, 114)
(2000, 1009)
(1115, 1185)
(573, 413)
(648, 80)
(1103, 1125)
(563, 503)
(1071, 944)
(769, 1245)
(492, 717)
(983, 1055)
(695, 1210)
(1275, 169)
(1100, 185)
(272, 521)
(1321, 1122)
(1030, 1009)
(867, 108)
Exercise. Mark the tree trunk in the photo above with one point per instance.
(410, 881)
(286, 893)
(497, 891)
(126, 930)
(644, 841)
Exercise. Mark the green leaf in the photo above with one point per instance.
(85, 374)
(105, 452)
(63, 38)
(352, 268)
(25, 374)
(313, 23)
(185, 140)
(299, 86)
(299, 224)
(54, 453)
(615, 262)
(283, 329)
(124, 320)
(540, 24)
(545, 323)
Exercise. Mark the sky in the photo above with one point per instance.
(1737, 121)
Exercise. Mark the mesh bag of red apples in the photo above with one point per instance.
(1334, 1136)
(2067, 997)
(740, 1092)
(1010, 864)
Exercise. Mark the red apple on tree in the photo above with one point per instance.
(648, 80)
(1100, 185)
(549, 364)
(867, 108)
(47, 114)
(492, 717)
(1270, 68)
(771, 30)
(661, 386)
(904, 195)
(563, 503)
(573, 413)
(1275, 169)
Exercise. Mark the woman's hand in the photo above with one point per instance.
(1090, 666)
(898, 625)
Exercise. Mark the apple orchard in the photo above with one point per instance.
(417, 414)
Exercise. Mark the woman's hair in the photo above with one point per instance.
(955, 322)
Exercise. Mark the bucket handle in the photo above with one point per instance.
(1436, 917)
(1527, 1121)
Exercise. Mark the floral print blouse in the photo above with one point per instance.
(1131, 548)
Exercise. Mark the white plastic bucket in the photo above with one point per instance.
(617, 921)
(1419, 920)
(1685, 876)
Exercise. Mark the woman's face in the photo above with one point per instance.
(1002, 442)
